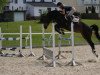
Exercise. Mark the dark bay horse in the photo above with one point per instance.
(62, 23)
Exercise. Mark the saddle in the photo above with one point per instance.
(73, 18)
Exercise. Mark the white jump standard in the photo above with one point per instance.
(61, 38)
(30, 31)
(19, 38)
(73, 62)
(48, 53)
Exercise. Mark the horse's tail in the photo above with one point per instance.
(96, 30)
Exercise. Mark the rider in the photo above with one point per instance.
(67, 11)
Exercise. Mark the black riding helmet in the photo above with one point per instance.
(59, 3)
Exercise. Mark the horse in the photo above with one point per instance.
(79, 27)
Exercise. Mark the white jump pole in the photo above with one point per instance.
(43, 40)
(30, 31)
(72, 62)
(59, 45)
(20, 50)
(43, 43)
(0, 37)
(72, 41)
(1, 42)
(53, 44)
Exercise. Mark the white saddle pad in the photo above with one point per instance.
(75, 19)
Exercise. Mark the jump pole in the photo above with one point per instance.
(43, 44)
(30, 31)
(43, 41)
(53, 39)
(20, 50)
(73, 62)
(53, 63)
(73, 50)
(0, 37)
(1, 42)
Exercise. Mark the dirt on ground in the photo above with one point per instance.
(88, 64)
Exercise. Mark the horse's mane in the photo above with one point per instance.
(52, 16)
(55, 12)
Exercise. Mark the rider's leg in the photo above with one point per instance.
(72, 11)
(69, 15)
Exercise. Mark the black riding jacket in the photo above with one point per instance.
(67, 9)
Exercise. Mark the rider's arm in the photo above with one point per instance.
(63, 12)
(69, 10)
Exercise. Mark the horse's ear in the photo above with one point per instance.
(39, 22)
(44, 14)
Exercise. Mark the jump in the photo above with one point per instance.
(79, 27)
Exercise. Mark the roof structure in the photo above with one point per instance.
(42, 4)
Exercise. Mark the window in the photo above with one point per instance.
(16, 1)
(12, 8)
(6, 8)
(53, 0)
(24, 1)
(48, 9)
(33, 0)
(97, 8)
(11, 1)
(40, 11)
(89, 8)
(42, 0)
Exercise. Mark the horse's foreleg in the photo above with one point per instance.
(88, 39)
(62, 31)
(58, 29)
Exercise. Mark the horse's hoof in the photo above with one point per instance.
(97, 56)
(93, 51)
(63, 33)
(59, 32)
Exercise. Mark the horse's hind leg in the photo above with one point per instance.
(92, 46)
(88, 39)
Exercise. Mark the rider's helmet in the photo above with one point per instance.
(59, 4)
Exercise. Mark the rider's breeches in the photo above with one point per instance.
(71, 12)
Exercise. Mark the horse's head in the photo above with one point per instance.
(47, 18)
